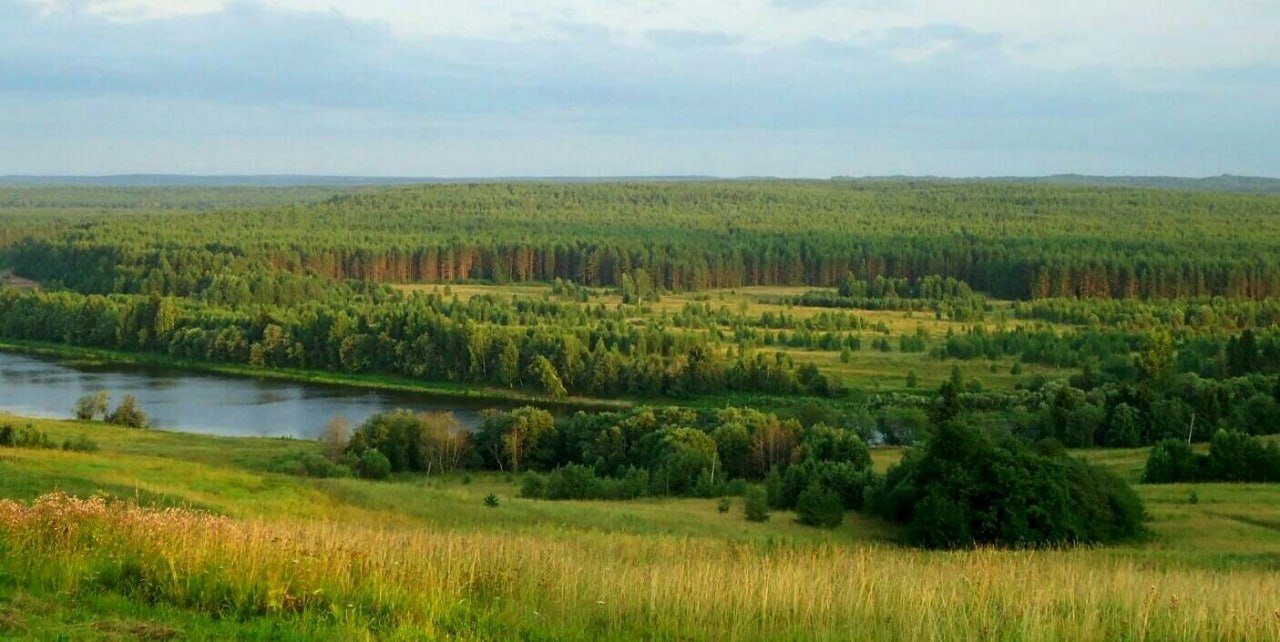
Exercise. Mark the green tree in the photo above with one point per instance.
(545, 373)
(373, 465)
(819, 506)
(1155, 359)
(1171, 461)
(509, 364)
(755, 505)
(128, 414)
(94, 405)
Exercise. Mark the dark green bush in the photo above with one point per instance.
(373, 465)
(1233, 457)
(533, 486)
(819, 506)
(27, 436)
(81, 444)
(755, 505)
(966, 488)
(308, 464)
(1171, 461)
(573, 482)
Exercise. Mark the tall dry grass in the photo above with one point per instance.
(596, 586)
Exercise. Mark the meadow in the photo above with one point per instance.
(188, 537)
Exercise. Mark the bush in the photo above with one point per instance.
(26, 437)
(94, 405)
(491, 500)
(845, 479)
(966, 488)
(533, 486)
(819, 506)
(373, 465)
(128, 414)
(724, 505)
(573, 482)
(80, 444)
(755, 505)
(308, 464)
(1171, 461)
(1233, 457)
(1238, 457)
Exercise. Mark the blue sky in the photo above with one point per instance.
(592, 88)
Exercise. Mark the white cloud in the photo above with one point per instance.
(1170, 34)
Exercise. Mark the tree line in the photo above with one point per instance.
(423, 336)
(1009, 241)
(960, 487)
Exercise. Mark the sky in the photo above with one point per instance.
(789, 88)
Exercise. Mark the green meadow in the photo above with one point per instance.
(192, 538)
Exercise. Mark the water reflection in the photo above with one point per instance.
(205, 403)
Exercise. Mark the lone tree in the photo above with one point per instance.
(128, 414)
(335, 438)
(90, 406)
(755, 505)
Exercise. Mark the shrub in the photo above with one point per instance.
(491, 500)
(1233, 457)
(724, 505)
(308, 464)
(533, 486)
(819, 506)
(1171, 461)
(573, 482)
(128, 414)
(1238, 457)
(373, 464)
(966, 488)
(81, 444)
(755, 505)
(845, 479)
(26, 437)
(94, 405)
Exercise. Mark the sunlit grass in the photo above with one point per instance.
(418, 558)
(596, 586)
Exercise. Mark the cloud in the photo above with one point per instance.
(1170, 34)
(578, 87)
(689, 38)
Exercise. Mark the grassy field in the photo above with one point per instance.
(222, 549)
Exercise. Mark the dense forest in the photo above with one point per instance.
(1150, 307)
(1008, 241)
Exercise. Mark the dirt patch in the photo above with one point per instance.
(1246, 519)
(11, 621)
(10, 279)
(136, 630)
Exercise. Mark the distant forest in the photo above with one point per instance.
(1022, 241)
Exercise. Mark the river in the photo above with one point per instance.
(207, 403)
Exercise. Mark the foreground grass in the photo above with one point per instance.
(274, 557)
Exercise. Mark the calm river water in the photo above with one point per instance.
(206, 403)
